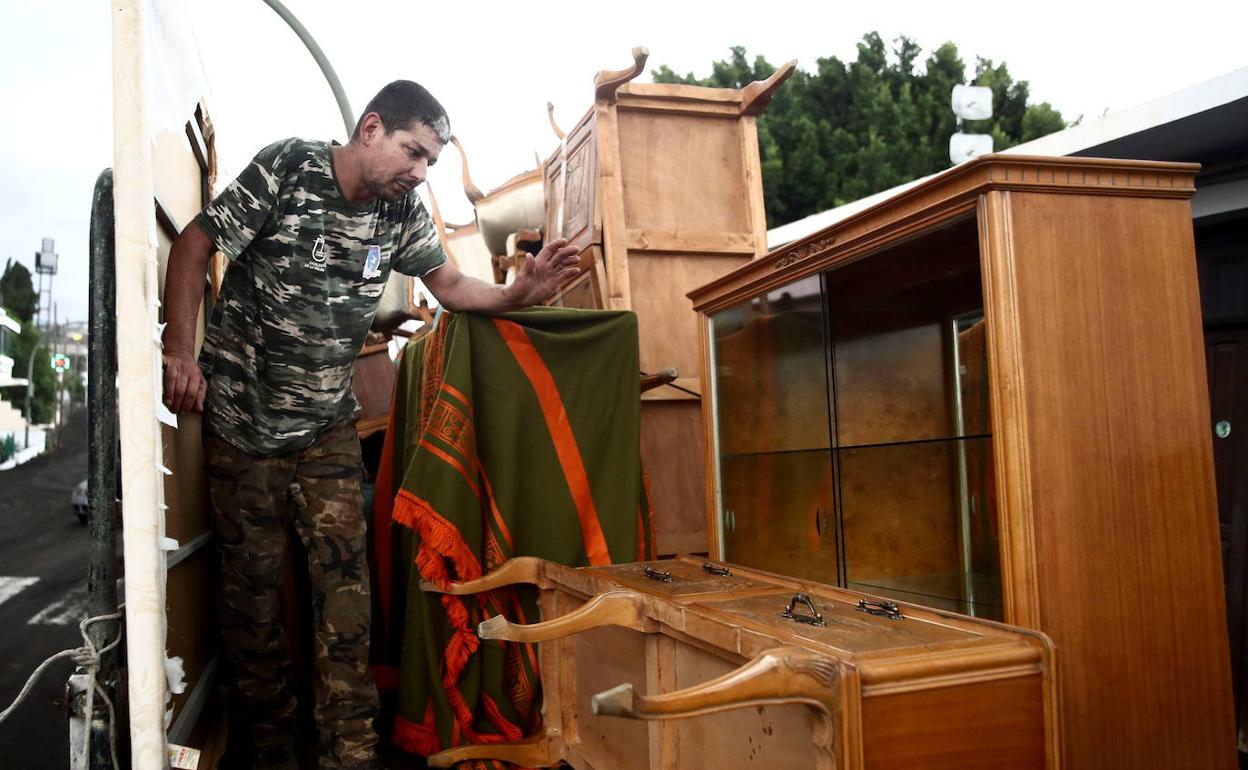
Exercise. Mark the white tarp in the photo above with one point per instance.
(157, 82)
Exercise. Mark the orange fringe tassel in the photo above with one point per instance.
(415, 738)
(439, 541)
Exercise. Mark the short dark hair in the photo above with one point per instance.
(404, 103)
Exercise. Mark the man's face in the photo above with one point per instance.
(400, 160)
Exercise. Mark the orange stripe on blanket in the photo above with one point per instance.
(457, 395)
(472, 483)
(498, 515)
(454, 463)
(455, 429)
(560, 428)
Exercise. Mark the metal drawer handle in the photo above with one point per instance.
(882, 609)
(654, 574)
(813, 619)
(714, 570)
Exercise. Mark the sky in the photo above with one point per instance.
(495, 65)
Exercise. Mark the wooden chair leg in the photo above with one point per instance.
(542, 750)
(521, 569)
(613, 608)
(781, 675)
(778, 676)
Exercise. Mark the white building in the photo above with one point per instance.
(11, 421)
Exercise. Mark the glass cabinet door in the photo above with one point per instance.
(779, 513)
(770, 384)
(912, 437)
(853, 431)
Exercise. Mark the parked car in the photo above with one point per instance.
(78, 501)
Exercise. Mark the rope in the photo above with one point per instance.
(86, 657)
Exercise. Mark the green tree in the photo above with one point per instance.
(74, 387)
(850, 129)
(17, 291)
(18, 296)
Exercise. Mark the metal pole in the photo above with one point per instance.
(54, 342)
(348, 119)
(30, 383)
(102, 445)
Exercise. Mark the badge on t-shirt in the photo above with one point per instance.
(372, 264)
(318, 254)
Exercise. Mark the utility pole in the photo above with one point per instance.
(45, 264)
(30, 389)
(54, 344)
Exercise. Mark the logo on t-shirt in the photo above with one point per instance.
(318, 254)
(372, 263)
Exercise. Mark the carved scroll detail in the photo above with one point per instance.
(471, 190)
(817, 667)
(607, 82)
(798, 253)
(757, 95)
(550, 113)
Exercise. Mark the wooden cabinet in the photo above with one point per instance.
(987, 395)
(660, 185)
(686, 663)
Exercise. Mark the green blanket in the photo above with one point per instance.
(510, 436)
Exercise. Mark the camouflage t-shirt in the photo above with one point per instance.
(307, 270)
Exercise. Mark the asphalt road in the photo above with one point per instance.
(43, 570)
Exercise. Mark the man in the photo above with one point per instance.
(312, 231)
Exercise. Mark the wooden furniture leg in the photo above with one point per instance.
(542, 750)
(613, 608)
(520, 569)
(778, 676)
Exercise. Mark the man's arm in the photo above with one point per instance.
(185, 385)
(536, 281)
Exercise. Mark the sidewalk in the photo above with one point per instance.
(38, 442)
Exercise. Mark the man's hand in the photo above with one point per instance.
(541, 276)
(537, 280)
(185, 385)
(184, 290)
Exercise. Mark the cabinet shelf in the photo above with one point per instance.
(846, 447)
(974, 594)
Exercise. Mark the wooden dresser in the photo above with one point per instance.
(987, 394)
(687, 663)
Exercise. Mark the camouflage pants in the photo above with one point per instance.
(254, 501)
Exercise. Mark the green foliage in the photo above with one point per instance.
(850, 129)
(74, 387)
(17, 292)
